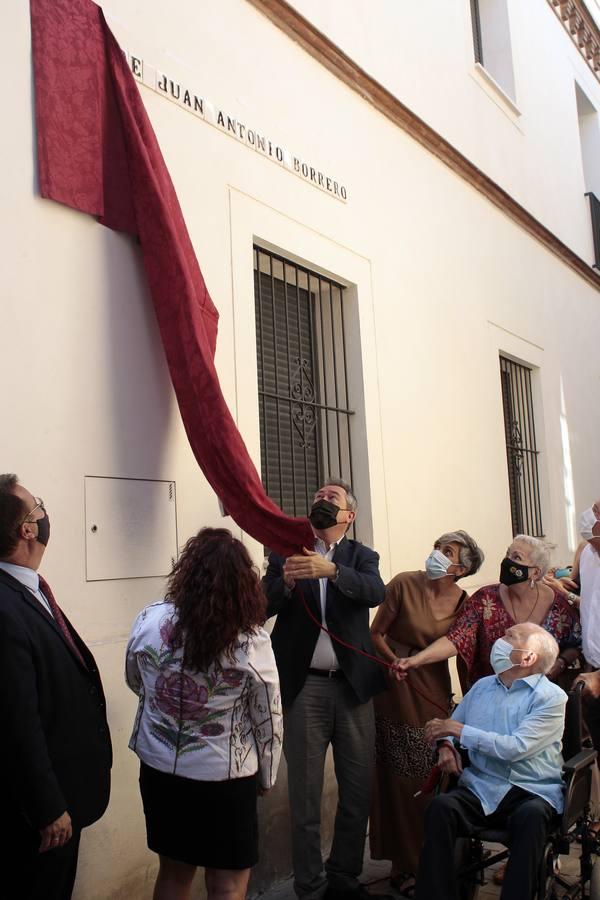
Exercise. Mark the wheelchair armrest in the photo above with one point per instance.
(577, 773)
(462, 753)
(580, 761)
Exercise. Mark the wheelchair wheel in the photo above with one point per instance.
(546, 884)
(595, 881)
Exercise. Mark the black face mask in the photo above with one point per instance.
(43, 525)
(323, 515)
(512, 572)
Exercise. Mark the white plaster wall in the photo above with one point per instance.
(423, 53)
(439, 282)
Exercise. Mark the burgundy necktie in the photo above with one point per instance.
(59, 618)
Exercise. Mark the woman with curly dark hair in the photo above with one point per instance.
(208, 728)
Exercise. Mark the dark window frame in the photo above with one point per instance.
(522, 453)
(304, 405)
(595, 216)
(477, 39)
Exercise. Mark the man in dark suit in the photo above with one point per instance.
(327, 689)
(55, 752)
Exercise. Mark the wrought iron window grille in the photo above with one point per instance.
(595, 214)
(522, 454)
(476, 24)
(304, 405)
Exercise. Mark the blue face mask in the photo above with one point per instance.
(437, 565)
(500, 656)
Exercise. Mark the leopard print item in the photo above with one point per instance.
(402, 748)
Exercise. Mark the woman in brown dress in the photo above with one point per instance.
(419, 607)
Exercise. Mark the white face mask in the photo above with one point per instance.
(437, 565)
(587, 520)
(500, 656)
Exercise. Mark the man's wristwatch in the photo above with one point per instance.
(335, 577)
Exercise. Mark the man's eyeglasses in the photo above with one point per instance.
(39, 504)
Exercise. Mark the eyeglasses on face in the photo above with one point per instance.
(39, 504)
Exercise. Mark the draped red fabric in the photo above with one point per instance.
(97, 152)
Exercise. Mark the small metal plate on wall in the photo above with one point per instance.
(130, 528)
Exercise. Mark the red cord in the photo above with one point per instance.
(376, 659)
(431, 782)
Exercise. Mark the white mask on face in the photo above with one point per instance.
(587, 520)
(437, 565)
(500, 656)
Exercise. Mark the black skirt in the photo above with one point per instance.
(204, 823)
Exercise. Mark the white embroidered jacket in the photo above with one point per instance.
(209, 726)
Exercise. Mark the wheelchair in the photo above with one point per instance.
(472, 858)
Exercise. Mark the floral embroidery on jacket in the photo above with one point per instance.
(232, 712)
(184, 700)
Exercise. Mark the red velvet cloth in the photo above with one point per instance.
(97, 153)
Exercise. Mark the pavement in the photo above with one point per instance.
(376, 878)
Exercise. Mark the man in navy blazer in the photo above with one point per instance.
(327, 689)
(55, 752)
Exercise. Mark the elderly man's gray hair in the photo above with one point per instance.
(352, 502)
(470, 555)
(540, 551)
(542, 642)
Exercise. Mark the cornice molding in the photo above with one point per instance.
(321, 48)
(580, 25)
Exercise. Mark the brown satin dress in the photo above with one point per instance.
(403, 759)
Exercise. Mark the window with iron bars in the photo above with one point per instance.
(521, 448)
(595, 212)
(476, 25)
(492, 44)
(304, 407)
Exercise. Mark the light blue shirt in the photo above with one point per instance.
(31, 580)
(514, 739)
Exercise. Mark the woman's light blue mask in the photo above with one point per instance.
(437, 565)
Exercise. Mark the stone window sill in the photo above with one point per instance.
(492, 88)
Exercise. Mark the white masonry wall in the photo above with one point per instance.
(439, 281)
(527, 139)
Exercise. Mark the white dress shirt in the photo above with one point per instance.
(589, 608)
(31, 580)
(324, 656)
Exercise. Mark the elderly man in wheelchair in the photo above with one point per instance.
(515, 789)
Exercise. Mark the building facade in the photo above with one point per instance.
(393, 205)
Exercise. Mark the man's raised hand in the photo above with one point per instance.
(308, 565)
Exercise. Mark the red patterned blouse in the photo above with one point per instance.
(484, 618)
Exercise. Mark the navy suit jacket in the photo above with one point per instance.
(55, 751)
(358, 588)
